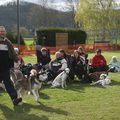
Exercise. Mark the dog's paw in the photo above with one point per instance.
(93, 83)
(29, 93)
(37, 100)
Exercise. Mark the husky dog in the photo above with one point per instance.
(104, 80)
(60, 80)
(35, 84)
(31, 83)
(19, 81)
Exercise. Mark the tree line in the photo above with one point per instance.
(34, 16)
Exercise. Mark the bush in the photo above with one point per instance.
(14, 39)
(47, 37)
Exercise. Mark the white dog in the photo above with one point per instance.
(60, 80)
(104, 80)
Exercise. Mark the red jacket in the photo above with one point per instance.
(98, 60)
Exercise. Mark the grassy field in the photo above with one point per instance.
(29, 41)
(76, 102)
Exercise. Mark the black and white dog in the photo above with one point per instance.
(60, 80)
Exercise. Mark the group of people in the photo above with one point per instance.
(77, 62)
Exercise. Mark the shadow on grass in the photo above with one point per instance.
(40, 106)
(20, 113)
(115, 83)
(44, 96)
(52, 110)
(80, 87)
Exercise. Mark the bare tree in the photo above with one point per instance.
(44, 18)
(71, 5)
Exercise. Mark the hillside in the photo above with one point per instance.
(34, 16)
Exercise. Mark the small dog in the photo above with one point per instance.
(104, 80)
(96, 75)
(60, 80)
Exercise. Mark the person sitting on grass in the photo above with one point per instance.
(78, 65)
(82, 52)
(43, 57)
(20, 62)
(56, 66)
(98, 62)
(114, 65)
(68, 58)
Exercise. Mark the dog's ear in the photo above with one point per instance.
(33, 72)
(31, 75)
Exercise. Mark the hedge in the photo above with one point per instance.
(14, 39)
(47, 37)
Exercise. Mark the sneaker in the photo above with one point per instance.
(17, 101)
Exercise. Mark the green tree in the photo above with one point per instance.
(97, 15)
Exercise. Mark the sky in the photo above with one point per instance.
(58, 4)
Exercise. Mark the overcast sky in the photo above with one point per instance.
(59, 4)
(35, 1)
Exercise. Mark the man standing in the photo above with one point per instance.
(7, 59)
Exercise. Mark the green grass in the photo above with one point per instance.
(76, 102)
(29, 41)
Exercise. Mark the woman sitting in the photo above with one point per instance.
(78, 65)
(98, 62)
(56, 66)
(20, 62)
(43, 57)
(114, 65)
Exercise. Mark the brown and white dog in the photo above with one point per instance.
(96, 75)
(104, 80)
